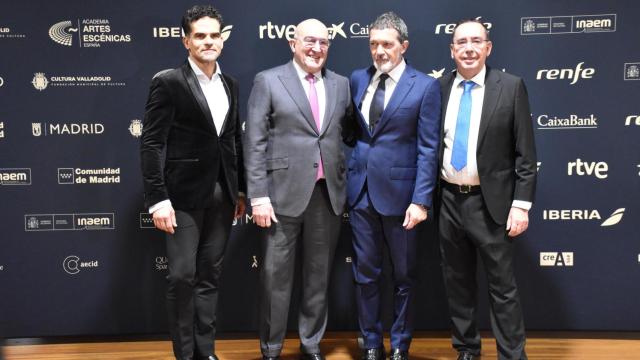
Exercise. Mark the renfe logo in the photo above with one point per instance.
(569, 74)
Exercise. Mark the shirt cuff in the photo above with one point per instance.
(525, 205)
(160, 205)
(260, 201)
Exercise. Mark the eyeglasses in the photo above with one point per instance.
(475, 43)
(310, 41)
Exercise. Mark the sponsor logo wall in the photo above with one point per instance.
(74, 85)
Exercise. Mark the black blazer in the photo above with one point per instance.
(182, 155)
(506, 153)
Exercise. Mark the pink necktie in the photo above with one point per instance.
(315, 110)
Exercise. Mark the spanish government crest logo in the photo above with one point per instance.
(39, 81)
(135, 128)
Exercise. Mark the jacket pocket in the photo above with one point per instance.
(278, 163)
(403, 173)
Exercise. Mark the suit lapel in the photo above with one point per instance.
(198, 95)
(330, 91)
(402, 89)
(294, 87)
(361, 88)
(230, 99)
(492, 91)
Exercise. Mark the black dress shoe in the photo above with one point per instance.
(212, 357)
(316, 356)
(374, 354)
(464, 355)
(397, 354)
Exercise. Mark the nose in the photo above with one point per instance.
(316, 46)
(379, 50)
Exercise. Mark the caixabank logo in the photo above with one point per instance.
(77, 221)
(566, 121)
(583, 215)
(71, 176)
(567, 24)
(15, 176)
(556, 258)
(87, 33)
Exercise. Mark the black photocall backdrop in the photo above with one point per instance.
(79, 255)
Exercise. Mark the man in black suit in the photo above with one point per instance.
(192, 162)
(488, 179)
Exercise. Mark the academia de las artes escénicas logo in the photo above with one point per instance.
(87, 33)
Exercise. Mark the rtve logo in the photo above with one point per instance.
(581, 168)
(632, 120)
(566, 74)
(273, 31)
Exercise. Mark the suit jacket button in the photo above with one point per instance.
(315, 165)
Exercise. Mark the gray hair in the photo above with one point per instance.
(390, 20)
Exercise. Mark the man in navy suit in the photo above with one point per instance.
(391, 177)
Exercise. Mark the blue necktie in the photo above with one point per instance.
(461, 138)
(377, 103)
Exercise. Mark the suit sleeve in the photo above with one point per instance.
(257, 138)
(158, 118)
(350, 127)
(525, 149)
(428, 145)
(242, 184)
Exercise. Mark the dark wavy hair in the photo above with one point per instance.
(197, 12)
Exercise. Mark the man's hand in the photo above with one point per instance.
(518, 221)
(414, 215)
(165, 219)
(241, 206)
(263, 215)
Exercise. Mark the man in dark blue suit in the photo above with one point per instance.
(392, 172)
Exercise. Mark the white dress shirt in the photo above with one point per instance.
(218, 102)
(389, 87)
(322, 100)
(469, 174)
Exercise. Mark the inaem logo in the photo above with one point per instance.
(62, 32)
(569, 74)
(556, 259)
(72, 264)
(614, 218)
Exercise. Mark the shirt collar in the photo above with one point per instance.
(394, 74)
(478, 79)
(200, 74)
(303, 74)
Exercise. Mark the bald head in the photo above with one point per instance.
(310, 45)
(313, 26)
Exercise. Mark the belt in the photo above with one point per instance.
(461, 189)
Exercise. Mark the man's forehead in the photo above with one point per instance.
(469, 29)
(315, 29)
